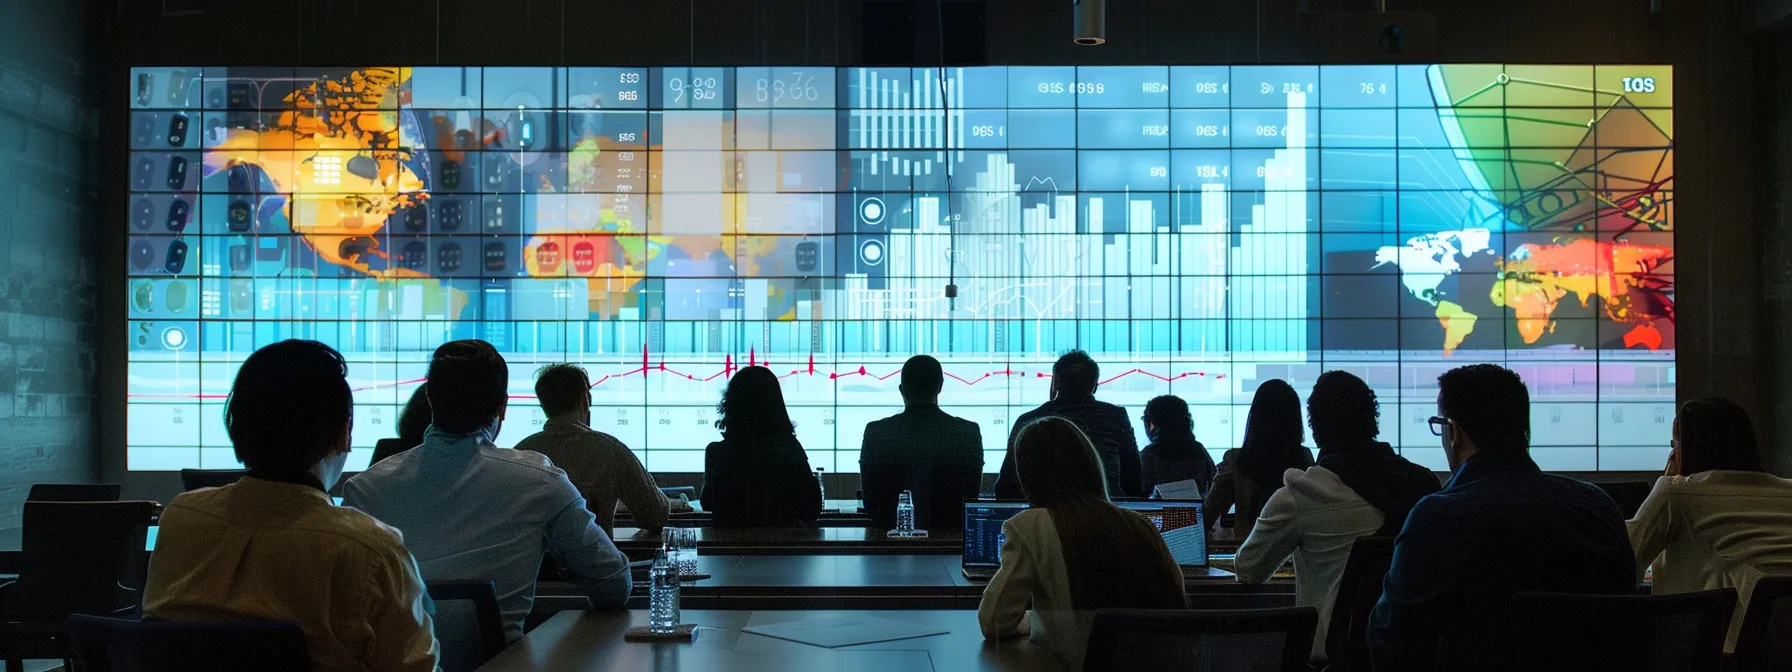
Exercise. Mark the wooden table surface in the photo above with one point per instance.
(581, 640)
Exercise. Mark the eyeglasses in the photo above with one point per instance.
(1438, 423)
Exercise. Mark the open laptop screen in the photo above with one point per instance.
(983, 531)
(1182, 522)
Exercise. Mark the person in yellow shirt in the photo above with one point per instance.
(273, 546)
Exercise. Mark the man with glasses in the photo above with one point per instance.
(1499, 527)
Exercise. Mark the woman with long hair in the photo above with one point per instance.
(413, 421)
(1071, 552)
(1174, 455)
(1716, 518)
(1249, 474)
(758, 474)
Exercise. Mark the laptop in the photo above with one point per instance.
(1183, 522)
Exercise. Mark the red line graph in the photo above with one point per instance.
(729, 366)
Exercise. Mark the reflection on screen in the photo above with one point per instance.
(1197, 229)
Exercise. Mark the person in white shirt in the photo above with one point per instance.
(472, 510)
(1360, 487)
(1716, 519)
(273, 547)
(1071, 552)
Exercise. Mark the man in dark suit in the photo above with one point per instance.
(1074, 378)
(1500, 527)
(937, 457)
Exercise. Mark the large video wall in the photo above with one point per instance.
(1197, 229)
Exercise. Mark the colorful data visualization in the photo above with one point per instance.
(1197, 229)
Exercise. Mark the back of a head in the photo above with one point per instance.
(1076, 373)
(467, 386)
(1274, 421)
(289, 408)
(561, 388)
(753, 405)
(1715, 433)
(1490, 404)
(922, 378)
(1169, 413)
(1342, 408)
(414, 420)
(1056, 463)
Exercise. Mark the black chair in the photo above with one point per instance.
(1629, 495)
(74, 492)
(1663, 633)
(122, 645)
(1764, 644)
(1347, 633)
(1253, 640)
(194, 479)
(468, 626)
(77, 558)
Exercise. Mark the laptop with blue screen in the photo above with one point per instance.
(1182, 522)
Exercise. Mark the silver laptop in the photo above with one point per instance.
(1183, 522)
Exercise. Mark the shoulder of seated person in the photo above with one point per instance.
(526, 461)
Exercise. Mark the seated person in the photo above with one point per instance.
(1071, 552)
(272, 546)
(1716, 519)
(1174, 455)
(758, 474)
(937, 457)
(472, 510)
(1250, 473)
(603, 469)
(1359, 488)
(1074, 378)
(1499, 527)
(413, 421)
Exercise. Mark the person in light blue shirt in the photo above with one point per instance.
(471, 510)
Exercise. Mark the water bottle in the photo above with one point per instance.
(663, 596)
(905, 513)
(687, 552)
(822, 484)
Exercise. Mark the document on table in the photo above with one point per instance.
(845, 630)
(1184, 489)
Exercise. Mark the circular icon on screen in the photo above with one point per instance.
(173, 338)
(871, 210)
(872, 252)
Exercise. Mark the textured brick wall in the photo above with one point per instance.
(48, 236)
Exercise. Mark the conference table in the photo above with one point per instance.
(887, 581)
(583, 640)
(804, 541)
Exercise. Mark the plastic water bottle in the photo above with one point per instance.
(663, 595)
(822, 484)
(687, 551)
(905, 513)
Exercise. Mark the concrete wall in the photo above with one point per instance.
(1722, 332)
(48, 236)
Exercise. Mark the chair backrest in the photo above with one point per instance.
(1247, 640)
(1346, 637)
(469, 627)
(1764, 644)
(119, 645)
(79, 558)
(1663, 633)
(74, 492)
(194, 479)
